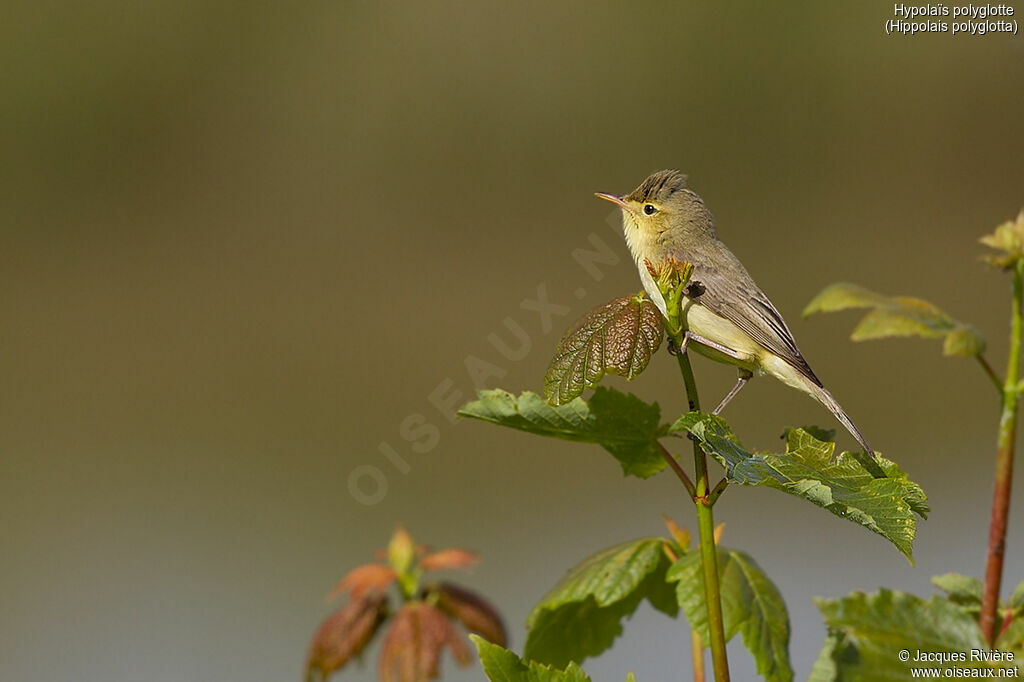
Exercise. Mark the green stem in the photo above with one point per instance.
(712, 591)
(706, 533)
(691, 385)
(672, 281)
(1004, 466)
(717, 491)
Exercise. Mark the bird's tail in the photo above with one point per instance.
(826, 399)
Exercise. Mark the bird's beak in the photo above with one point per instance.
(615, 200)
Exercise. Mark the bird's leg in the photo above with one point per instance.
(745, 374)
(690, 336)
(740, 383)
(673, 349)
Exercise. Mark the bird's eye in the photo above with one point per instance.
(649, 209)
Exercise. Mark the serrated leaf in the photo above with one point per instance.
(501, 665)
(412, 648)
(363, 579)
(963, 590)
(886, 506)
(618, 337)
(582, 615)
(453, 557)
(345, 633)
(751, 605)
(898, 316)
(621, 423)
(474, 612)
(824, 668)
(608, 576)
(868, 630)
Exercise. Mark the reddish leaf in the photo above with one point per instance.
(412, 647)
(473, 611)
(460, 650)
(345, 633)
(363, 579)
(448, 558)
(618, 337)
(679, 534)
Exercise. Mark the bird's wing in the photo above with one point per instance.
(737, 298)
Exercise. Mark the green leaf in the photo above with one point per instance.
(751, 605)
(898, 316)
(618, 337)
(824, 669)
(1017, 600)
(621, 423)
(1008, 238)
(1012, 639)
(582, 615)
(964, 591)
(867, 632)
(401, 550)
(882, 505)
(501, 665)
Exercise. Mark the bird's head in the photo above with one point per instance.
(661, 207)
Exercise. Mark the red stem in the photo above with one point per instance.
(1004, 468)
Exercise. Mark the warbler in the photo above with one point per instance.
(727, 317)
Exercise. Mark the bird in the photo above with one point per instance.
(727, 316)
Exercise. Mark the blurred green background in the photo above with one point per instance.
(241, 243)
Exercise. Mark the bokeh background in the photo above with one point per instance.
(241, 243)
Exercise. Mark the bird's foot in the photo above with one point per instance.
(678, 348)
